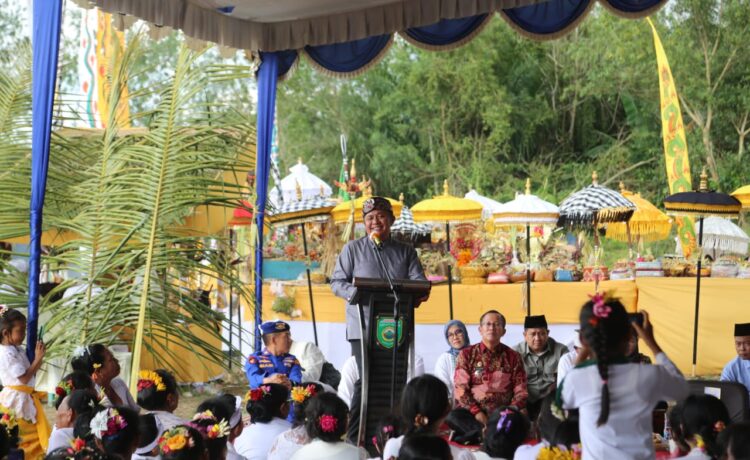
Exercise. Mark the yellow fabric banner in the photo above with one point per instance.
(675, 143)
(109, 46)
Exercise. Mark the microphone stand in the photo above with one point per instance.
(396, 317)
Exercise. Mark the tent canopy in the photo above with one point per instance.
(262, 25)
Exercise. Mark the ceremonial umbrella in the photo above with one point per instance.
(301, 211)
(591, 206)
(648, 222)
(405, 224)
(344, 210)
(489, 206)
(447, 208)
(743, 195)
(701, 203)
(300, 177)
(528, 210)
(723, 235)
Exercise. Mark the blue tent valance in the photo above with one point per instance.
(540, 21)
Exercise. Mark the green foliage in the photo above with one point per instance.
(123, 198)
(503, 107)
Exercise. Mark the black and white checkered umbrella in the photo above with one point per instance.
(594, 205)
(298, 211)
(405, 224)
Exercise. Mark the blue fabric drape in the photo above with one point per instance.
(45, 41)
(349, 57)
(548, 18)
(268, 74)
(286, 59)
(446, 32)
(634, 6)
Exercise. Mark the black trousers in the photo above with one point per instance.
(355, 405)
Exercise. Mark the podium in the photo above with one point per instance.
(378, 330)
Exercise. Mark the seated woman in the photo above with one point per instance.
(70, 407)
(268, 406)
(424, 406)
(290, 441)
(326, 422)
(458, 338)
(97, 361)
(158, 394)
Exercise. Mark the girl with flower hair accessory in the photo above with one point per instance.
(215, 433)
(77, 452)
(227, 407)
(159, 395)
(115, 430)
(18, 378)
(76, 380)
(389, 427)
(612, 394)
(506, 430)
(182, 443)
(704, 418)
(104, 369)
(268, 407)
(424, 406)
(290, 441)
(9, 435)
(326, 422)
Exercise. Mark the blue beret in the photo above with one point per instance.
(270, 327)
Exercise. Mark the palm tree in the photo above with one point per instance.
(122, 198)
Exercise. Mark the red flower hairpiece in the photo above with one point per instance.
(328, 423)
(719, 426)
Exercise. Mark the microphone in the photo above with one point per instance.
(375, 238)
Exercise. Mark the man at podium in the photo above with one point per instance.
(358, 259)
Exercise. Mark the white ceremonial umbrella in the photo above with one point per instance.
(489, 206)
(528, 210)
(723, 235)
(311, 185)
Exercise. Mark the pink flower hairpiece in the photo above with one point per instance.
(601, 309)
(328, 423)
(388, 429)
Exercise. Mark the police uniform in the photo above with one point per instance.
(264, 364)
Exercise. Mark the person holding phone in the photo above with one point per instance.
(18, 377)
(633, 354)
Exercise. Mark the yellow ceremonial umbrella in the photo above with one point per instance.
(743, 195)
(647, 224)
(344, 210)
(447, 208)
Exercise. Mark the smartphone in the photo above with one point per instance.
(636, 318)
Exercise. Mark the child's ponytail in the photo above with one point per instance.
(604, 326)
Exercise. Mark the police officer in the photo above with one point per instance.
(274, 364)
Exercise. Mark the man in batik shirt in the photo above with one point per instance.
(489, 374)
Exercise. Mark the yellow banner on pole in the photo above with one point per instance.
(110, 44)
(675, 143)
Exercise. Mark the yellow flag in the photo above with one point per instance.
(675, 143)
(109, 46)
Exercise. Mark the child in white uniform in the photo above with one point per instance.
(158, 394)
(616, 398)
(18, 377)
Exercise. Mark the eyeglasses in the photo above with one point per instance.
(455, 334)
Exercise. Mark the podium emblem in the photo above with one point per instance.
(386, 331)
